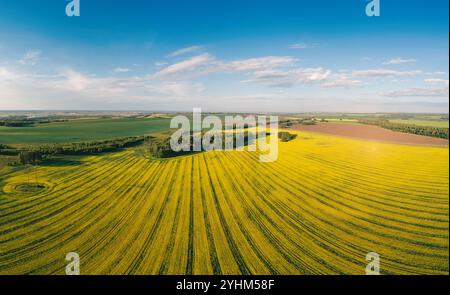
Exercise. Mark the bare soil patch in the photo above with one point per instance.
(370, 132)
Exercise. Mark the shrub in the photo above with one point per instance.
(286, 136)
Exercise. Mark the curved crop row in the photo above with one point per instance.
(319, 209)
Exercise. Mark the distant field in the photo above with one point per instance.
(370, 132)
(333, 120)
(82, 130)
(430, 123)
(319, 209)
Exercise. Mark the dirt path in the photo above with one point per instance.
(370, 132)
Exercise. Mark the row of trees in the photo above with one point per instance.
(35, 154)
(8, 151)
(287, 123)
(26, 122)
(91, 147)
(303, 121)
(409, 128)
(30, 157)
(16, 123)
(160, 148)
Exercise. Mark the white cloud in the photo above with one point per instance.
(288, 78)
(437, 81)
(436, 73)
(274, 71)
(341, 81)
(14, 77)
(31, 58)
(80, 89)
(7, 75)
(399, 60)
(418, 92)
(270, 70)
(303, 45)
(186, 50)
(161, 64)
(75, 81)
(259, 64)
(122, 70)
(184, 66)
(176, 82)
(384, 73)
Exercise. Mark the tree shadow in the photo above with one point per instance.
(60, 162)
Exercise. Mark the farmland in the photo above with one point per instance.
(319, 209)
(430, 123)
(370, 132)
(82, 130)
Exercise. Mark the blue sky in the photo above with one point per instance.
(249, 56)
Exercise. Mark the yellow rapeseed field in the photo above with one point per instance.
(319, 209)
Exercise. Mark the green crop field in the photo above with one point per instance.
(82, 130)
(430, 123)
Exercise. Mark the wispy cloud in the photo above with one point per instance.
(399, 60)
(73, 81)
(184, 66)
(341, 81)
(436, 74)
(186, 50)
(31, 58)
(180, 81)
(288, 78)
(437, 81)
(122, 70)
(384, 73)
(160, 64)
(258, 64)
(273, 71)
(418, 92)
(7, 75)
(302, 45)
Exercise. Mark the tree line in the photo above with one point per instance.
(8, 151)
(35, 154)
(409, 128)
(160, 147)
(91, 147)
(27, 122)
(16, 123)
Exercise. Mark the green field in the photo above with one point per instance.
(430, 123)
(82, 130)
